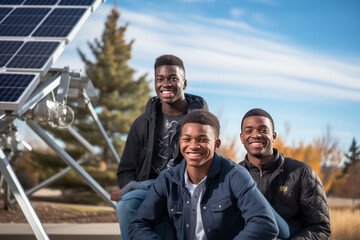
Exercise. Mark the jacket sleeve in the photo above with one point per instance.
(259, 220)
(314, 208)
(130, 159)
(150, 213)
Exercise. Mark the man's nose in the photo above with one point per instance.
(167, 82)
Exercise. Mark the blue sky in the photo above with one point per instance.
(299, 60)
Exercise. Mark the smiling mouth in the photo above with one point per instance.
(257, 144)
(167, 93)
(194, 155)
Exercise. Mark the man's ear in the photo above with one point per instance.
(217, 144)
(274, 136)
(185, 84)
(241, 138)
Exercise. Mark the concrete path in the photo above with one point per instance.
(62, 231)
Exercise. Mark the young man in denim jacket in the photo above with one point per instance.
(206, 196)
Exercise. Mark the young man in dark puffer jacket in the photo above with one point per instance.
(292, 187)
(152, 143)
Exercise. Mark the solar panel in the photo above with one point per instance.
(60, 22)
(32, 35)
(35, 56)
(15, 88)
(22, 21)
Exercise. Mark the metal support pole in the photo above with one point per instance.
(81, 139)
(97, 120)
(70, 161)
(21, 197)
(48, 181)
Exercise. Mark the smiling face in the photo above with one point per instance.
(198, 143)
(170, 83)
(258, 138)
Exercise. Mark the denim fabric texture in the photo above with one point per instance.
(231, 208)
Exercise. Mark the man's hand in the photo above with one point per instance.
(115, 194)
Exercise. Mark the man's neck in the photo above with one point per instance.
(259, 162)
(176, 108)
(196, 174)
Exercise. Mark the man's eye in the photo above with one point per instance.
(247, 132)
(185, 139)
(264, 130)
(204, 140)
(159, 79)
(174, 79)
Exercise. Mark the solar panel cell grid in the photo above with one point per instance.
(12, 86)
(11, 2)
(41, 2)
(4, 12)
(22, 21)
(59, 23)
(77, 2)
(33, 55)
(7, 50)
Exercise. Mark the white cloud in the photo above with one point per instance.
(230, 52)
(237, 12)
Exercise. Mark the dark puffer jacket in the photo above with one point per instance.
(135, 164)
(296, 193)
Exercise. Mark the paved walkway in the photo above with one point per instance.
(62, 231)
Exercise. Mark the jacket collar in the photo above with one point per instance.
(276, 163)
(180, 170)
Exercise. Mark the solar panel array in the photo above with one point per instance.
(32, 35)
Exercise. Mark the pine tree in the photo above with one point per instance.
(353, 156)
(122, 98)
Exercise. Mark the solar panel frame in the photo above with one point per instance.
(15, 88)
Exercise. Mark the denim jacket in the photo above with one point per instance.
(231, 207)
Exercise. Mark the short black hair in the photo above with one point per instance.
(169, 60)
(258, 112)
(203, 117)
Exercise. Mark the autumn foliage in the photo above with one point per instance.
(323, 150)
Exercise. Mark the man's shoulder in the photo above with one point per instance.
(302, 168)
(196, 102)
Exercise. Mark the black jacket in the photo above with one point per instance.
(135, 164)
(296, 193)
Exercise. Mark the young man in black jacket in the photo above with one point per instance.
(152, 143)
(292, 187)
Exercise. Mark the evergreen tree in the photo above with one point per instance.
(353, 155)
(122, 98)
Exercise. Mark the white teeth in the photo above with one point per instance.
(167, 92)
(256, 144)
(194, 154)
